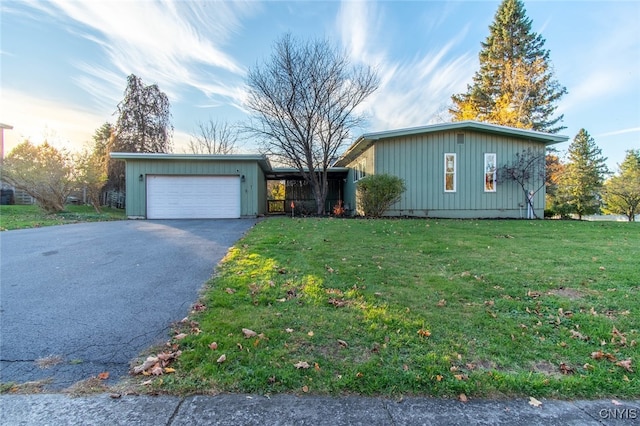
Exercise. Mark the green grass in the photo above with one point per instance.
(21, 217)
(425, 307)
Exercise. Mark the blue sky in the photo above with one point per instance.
(64, 64)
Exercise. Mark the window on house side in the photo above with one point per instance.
(490, 172)
(359, 171)
(449, 172)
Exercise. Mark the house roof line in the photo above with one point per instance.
(262, 160)
(367, 139)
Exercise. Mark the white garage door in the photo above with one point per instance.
(193, 197)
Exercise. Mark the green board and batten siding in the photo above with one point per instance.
(252, 187)
(418, 158)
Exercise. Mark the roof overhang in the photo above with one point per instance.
(366, 140)
(262, 160)
(291, 173)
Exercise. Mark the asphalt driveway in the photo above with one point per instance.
(78, 300)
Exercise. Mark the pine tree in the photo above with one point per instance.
(515, 84)
(621, 193)
(584, 174)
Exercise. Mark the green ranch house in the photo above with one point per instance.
(449, 170)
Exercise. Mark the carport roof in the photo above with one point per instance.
(262, 160)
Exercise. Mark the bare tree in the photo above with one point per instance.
(214, 137)
(528, 170)
(304, 100)
(42, 171)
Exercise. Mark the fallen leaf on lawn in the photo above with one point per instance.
(248, 333)
(626, 364)
(284, 299)
(441, 303)
(169, 370)
(147, 382)
(166, 358)
(424, 333)
(405, 367)
(103, 376)
(625, 378)
(213, 346)
(148, 363)
(301, 364)
(289, 330)
(180, 336)
(439, 378)
(305, 389)
(463, 398)
(460, 376)
(221, 359)
(343, 343)
(329, 269)
(534, 402)
(602, 268)
(578, 335)
(310, 334)
(359, 374)
(256, 343)
(599, 355)
(239, 345)
(199, 307)
(316, 366)
(156, 370)
(565, 369)
(618, 337)
(229, 290)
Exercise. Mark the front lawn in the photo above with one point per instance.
(32, 216)
(421, 307)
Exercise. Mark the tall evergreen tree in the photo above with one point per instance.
(621, 193)
(584, 174)
(515, 84)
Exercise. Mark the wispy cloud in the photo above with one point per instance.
(412, 92)
(172, 43)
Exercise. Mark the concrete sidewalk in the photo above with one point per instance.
(58, 409)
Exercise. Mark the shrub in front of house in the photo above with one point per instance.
(376, 193)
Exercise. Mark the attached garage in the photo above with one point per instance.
(193, 186)
(193, 197)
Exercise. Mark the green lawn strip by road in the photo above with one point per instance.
(21, 217)
(422, 307)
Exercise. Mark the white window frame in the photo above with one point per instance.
(454, 173)
(359, 170)
(488, 156)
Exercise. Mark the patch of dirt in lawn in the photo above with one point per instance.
(546, 368)
(569, 293)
